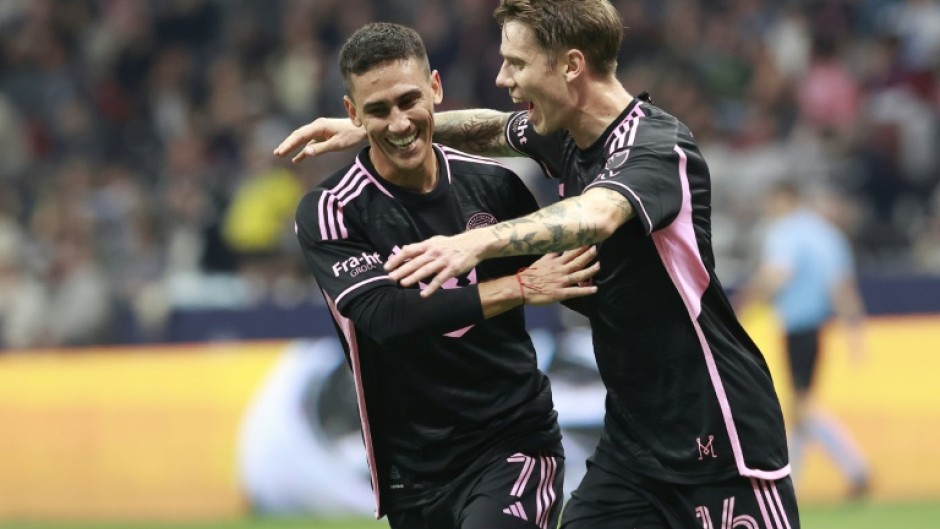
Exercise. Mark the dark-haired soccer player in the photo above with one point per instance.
(693, 434)
(458, 422)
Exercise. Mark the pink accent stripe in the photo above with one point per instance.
(637, 198)
(372, 178)
(678, 249)
(446, 162)
(760, 502)
(774, 511)
(354, 170)
(702, 512)
(544, 166)
(551, 490)
(783, 511)
(635, 127)
(330, 216)
(321, 218)
(360, 284)
(475, 160)
(350, 180)
(619, 133)
(545, 497)
(527, 465)
(343, 233)
(353, 190)
(730, 517)
(348, 330)
(454, 154)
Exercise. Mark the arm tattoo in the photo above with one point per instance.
(556, 228)
(477, 131)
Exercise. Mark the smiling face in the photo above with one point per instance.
(394, 102)
(531, 76)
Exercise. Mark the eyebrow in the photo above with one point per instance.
(377, 105)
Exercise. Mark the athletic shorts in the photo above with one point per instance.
(607, 501)
(802, 354)
(523, 491)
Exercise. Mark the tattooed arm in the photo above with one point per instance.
(478, 131)
(574, 222)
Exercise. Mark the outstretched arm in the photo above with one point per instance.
(478, 131)
(571, 223)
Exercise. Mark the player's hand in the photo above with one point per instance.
(320, 136)
(440, 257)
(560, 276)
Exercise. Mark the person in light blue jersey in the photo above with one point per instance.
(807, 272)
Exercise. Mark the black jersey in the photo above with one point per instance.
(440, 390)
(689, 396)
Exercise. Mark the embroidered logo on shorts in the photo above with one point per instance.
(707, 449)
(480, 220)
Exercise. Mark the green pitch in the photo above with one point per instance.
(848, 516)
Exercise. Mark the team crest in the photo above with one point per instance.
(480, 220)
(617, 160)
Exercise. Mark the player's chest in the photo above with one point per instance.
(398, 223)
(578, 173)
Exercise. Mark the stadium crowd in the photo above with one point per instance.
(136, 173)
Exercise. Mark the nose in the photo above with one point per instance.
(398, 121)
(502, 78)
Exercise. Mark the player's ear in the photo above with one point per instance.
(437, 87)
(351, 110)
(575, 64)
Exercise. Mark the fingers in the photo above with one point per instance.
(435, 284)
(310, 150)
(571, 255)
(416, 270)
(410, 265)
(396, 260)
(577, 292)
(582, 256)
(297, 138)
(586, 274)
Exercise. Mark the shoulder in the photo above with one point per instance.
(325, 211)
(461, 164)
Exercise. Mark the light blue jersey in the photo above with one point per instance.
(816, 256)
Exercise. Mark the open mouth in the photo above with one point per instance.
(404, 143)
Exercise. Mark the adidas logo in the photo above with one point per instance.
(516, 510)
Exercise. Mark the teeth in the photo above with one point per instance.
(403, 142)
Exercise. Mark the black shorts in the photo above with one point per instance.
(802, 354)
(607, 501)
(523, 491)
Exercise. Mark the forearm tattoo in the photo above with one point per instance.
(556, 228)
(477, 131)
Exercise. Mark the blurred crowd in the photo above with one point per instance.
(136, 174)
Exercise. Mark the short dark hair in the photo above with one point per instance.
(378, 43)
(592, 26)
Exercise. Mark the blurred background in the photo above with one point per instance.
(165, 355)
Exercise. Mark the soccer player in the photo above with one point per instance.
(457, 421)
(807, 271)
(693, 434)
